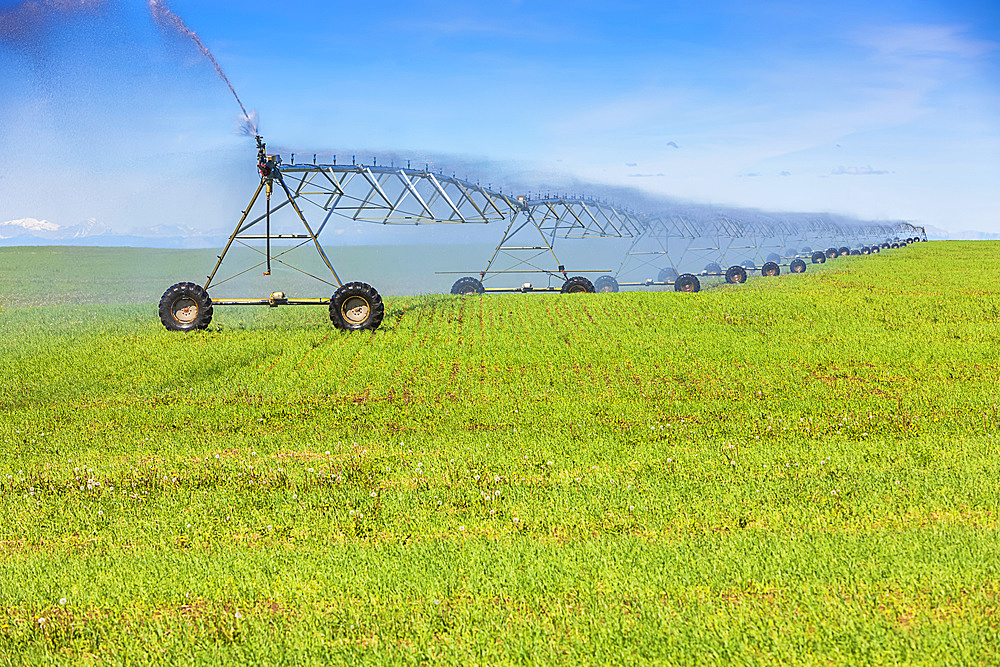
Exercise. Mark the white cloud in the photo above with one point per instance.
(858, 171)
(924, 40)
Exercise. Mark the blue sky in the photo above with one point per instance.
(873, 109)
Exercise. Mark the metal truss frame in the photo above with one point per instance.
(527, 246)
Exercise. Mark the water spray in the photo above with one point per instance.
(21, 23)
(167, 19)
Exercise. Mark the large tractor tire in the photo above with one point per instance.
(865, 250)
(687, 283)
(797, 266)
(843, 251)
(736, 275)
(832, 253)
(774, 257)
(819, 257)
(770, 269)
(712, 268)
(467, 285)
(606, 284)
(667, 275)
(185, 307)
(855, 251)
(356, 306)
(577, 285)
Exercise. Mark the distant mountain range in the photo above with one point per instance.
(938, 234)
(30, 231)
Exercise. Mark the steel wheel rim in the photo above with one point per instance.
(355, 310)
(184, 310)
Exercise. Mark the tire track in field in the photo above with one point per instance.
(397, 385)
(460, 344)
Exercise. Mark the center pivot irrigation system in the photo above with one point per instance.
(754, 242)
(395, 195)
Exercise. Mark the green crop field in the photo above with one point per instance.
(798, 470)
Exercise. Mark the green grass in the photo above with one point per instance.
(797, 470)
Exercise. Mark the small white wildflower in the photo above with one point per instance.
(238, 615)
(62, 601)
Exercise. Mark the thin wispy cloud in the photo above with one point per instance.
(858, 171)
(925, 40)
(456, 26)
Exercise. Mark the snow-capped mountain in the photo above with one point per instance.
(14, 228)
(44, 229)
(92, 232)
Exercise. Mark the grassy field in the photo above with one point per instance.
(799, 470)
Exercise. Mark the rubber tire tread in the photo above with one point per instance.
(736, 275)
(468, 281)
(667, 275)
(577, 281)
(685, 280)
(195, 292)
(376, 309)
(606, 281)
